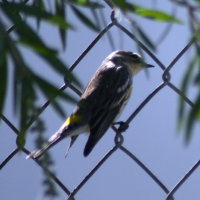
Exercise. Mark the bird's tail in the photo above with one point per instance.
(53, 140)
(72, 127)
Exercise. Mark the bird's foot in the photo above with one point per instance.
(123, 126)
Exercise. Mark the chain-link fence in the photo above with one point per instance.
(70, 194)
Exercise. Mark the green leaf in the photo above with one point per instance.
(192, 116)
(57, 64)
(24, 93)
(84, 19)
(185, 84)
(27, 35)
(20, 141)
(144, 37)
(197, 78)
(156, 15)
(51, 91)
(86, 3)
(35, 11)
(144, 12)
(19, 64)
(39, 4)
(3, 67)
(122, 4)
(30, 38)
(60, 10)
(198, 1)
(59, 109)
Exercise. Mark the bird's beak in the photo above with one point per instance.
(149, 66)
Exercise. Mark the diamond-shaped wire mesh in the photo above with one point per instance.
(166, 83)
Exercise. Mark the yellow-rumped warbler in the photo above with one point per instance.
(102, 101)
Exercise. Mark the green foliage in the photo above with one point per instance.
(84, 19)
(156, 15)
(86, 3)
(35, 11)
(60, 10)
(143, 36)
(144, 12)
(3, 67)
(25, 81)
(191, 79)
(187, 118)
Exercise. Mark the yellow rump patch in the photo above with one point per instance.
(72, 119)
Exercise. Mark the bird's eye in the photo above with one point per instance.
(135, 56)
(118, 59)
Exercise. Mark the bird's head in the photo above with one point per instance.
(133, 61)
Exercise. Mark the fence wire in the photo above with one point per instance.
(119, 137)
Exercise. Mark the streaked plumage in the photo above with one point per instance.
(102, 101)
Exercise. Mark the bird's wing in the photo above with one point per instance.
(113, 88)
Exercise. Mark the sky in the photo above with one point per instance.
(153, 136)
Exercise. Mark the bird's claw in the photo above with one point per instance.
(123, 126)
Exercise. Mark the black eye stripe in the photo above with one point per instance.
(131, 55)
(135, 56)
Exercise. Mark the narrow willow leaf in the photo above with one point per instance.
(40, 5)
(144, 12)
(58, 108)
(84, 19)
(192, 117)
(58, 64)
(156, 15)
(50, 91)
(35, 12)
(185, 84)
(20, 141)
(3, 69)
(24, 93)
(18, 63)
(145, 38)
(86, 3)
(27, 35)
(60, 10)
(30, 38)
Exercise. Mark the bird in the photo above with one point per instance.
(102, 101)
